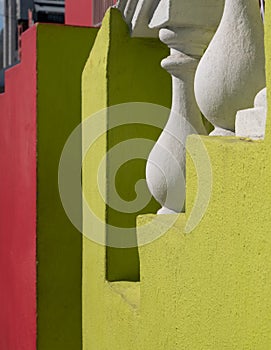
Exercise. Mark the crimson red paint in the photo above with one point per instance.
(79, 12)
(18, 202)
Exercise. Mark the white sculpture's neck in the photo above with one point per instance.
(186, 48)
(166, 165)
(186, 27)
(184, 106)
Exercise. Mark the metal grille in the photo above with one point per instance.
(99, 9)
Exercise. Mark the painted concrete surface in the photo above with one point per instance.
(267, 39)
(18, 202)
(121, 80)
(78, 13)
(209, 289)
(41, 251)
(115, 64)
(62, 53)
(216, 278)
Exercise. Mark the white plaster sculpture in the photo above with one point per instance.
(187, 27)
(250, 123)
(232, 69)
(262, 5)
(137, 14)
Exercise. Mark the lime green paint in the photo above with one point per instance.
(209, 289)
(127, 82)
(115, 74)
(62, 53)
(212, 286)
(268, 64)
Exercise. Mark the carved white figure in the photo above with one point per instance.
(186, 27)
(251, 122)
(137, 14)
(232, 69)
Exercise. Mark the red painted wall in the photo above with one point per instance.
(78, 12)
(18, 202)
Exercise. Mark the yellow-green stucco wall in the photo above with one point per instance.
(207, 289)
(115, 74)
(61, 55)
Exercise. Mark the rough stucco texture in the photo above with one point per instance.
(115, 63)
(18, 202)
(39, 109)
(209, 289)
(127, 83)
(62, 53)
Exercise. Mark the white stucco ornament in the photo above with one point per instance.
(232, 69)
(137, 14)
(250, 123)
(186, 27)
